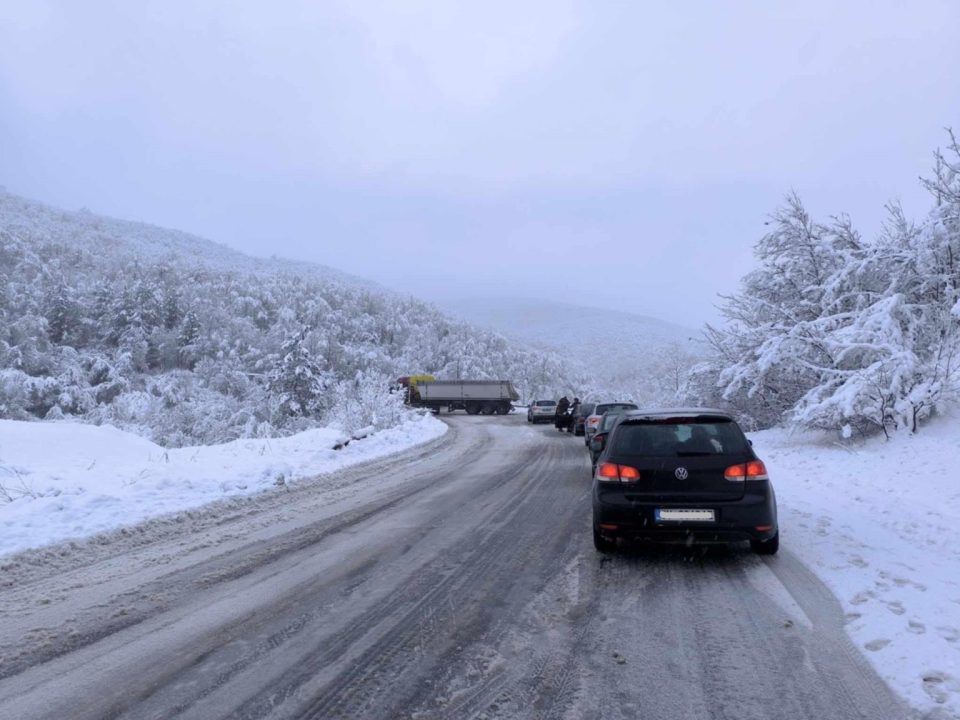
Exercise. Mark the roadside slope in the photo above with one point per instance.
(101, 479)
(877, 521)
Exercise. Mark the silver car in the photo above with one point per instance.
(593, 421)
(542, 411)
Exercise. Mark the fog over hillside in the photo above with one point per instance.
(623, 353)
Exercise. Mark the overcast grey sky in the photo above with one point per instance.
(632, 149)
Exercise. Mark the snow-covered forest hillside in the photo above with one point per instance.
(839, 332)
(188, 342)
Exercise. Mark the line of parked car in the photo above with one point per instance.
(686, 475)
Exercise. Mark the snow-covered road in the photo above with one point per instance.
(455, 581)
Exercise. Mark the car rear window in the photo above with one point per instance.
(606, 407)
(681, 438)
(545, 403)
(586, 409)
(609, 420)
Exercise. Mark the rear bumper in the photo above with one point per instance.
(753, 517)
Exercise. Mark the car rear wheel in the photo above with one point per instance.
(766, 547)
(603, 544)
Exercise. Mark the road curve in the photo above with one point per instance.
(454, 581)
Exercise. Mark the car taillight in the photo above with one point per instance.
(611, 472)
(593, 421)
(753, 470)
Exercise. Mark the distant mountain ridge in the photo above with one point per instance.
(560, 325)
(112, 236)
(633, 356)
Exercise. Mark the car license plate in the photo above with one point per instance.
(676, 514)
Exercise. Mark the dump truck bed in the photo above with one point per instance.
(463, 390)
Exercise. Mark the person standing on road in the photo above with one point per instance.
(572, 417)
(562, 406)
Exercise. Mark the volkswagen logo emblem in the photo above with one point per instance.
(681, 473)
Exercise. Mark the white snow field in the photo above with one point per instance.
(63, 480)
(878, 522)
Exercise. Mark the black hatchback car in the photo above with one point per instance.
(682, 476)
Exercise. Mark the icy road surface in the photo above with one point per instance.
(455, 581)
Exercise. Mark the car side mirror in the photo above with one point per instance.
(598, 441)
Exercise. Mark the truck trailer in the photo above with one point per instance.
(484, 397)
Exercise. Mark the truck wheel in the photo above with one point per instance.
(487, 409)
(472, 408)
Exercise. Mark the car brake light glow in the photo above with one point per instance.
(608, 471)
(611, 472)
(753, 470)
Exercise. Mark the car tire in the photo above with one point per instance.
(601, 544)
(766, 547)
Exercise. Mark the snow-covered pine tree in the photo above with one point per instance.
(298, 383)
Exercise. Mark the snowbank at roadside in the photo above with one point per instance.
(878, 522)
(67, 480)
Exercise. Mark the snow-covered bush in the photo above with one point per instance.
(369, 400)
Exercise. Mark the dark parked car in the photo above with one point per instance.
(580, 418)
(599, 438)
(682, 476)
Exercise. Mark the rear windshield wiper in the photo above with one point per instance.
(694, 454)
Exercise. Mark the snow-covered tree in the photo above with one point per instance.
(834, 332)
(298, 383)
